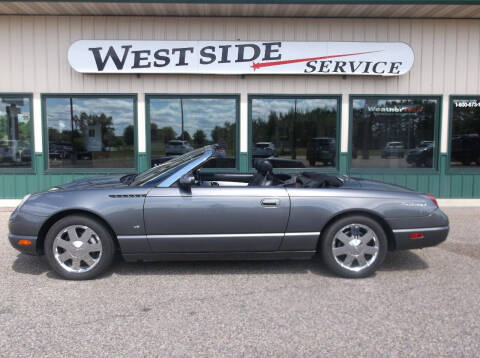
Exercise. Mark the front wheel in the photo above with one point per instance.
(354, 246)
(79, 247)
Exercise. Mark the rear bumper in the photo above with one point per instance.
(26, 249)
(431, 236)
(323, 155)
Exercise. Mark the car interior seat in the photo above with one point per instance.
(264, 176)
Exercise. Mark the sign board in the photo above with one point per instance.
(241, 57)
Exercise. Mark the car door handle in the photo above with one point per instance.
(270, 203)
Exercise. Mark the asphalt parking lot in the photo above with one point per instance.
(421, 303)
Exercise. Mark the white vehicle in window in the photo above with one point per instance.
(178, 147)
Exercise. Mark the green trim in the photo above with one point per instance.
(449, 169)
(391, 171)
(236, 97)
(143, 163)
(289, 2)
(343, 163)
(338, 131)
(48, 170)
(444, 185)
(243, 162)
(31, 169)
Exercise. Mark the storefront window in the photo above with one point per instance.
(465, 140)
(90, 132)
(181, 124)
(393, 132)
(295, 132)
(15, 132)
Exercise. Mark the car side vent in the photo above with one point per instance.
(127, 195)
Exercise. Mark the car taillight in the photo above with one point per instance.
(433, 199)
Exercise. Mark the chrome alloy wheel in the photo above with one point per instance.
(77, 248)
(355, 247)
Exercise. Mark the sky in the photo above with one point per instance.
(261, 107)
(120, 109)
(198, 113)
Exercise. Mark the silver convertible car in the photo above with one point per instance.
(179, 211)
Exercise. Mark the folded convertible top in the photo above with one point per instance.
(318, 180)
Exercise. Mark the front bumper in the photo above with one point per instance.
(25, 226)
(431, 236)
(26, 249)
(321, 155)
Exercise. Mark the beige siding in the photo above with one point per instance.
(447, 55)
(35, 53)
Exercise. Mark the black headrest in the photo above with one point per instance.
(263, 166)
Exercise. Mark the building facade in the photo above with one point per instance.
(420, 129)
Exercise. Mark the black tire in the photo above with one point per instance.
(104, 260)
(328, 238)
(429, 162)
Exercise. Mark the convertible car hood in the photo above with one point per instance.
(372, 185)
(95, 182)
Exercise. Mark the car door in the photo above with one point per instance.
(213, 219)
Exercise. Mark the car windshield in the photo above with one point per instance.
(395, 145)
(167, 167)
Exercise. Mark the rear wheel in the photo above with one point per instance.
(78, 247)
(354, 246)
(429, 162)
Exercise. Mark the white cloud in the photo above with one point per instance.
(120, 109)
(198, 113)
(263, 106)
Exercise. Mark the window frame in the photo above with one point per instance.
(31, 169)
(49, 170)
(330, 170)
(450, 169)
(235, 96)
(437, 126)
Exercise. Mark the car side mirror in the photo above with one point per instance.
(187, 180)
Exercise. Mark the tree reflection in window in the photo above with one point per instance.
(465, 139)
(90, 132)
(15, 132)
(179, 125)
(297, 132)
(393, 132)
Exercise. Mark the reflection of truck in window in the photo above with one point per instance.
(321, 149)
(421, 155)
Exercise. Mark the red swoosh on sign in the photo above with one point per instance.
(256, 66)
